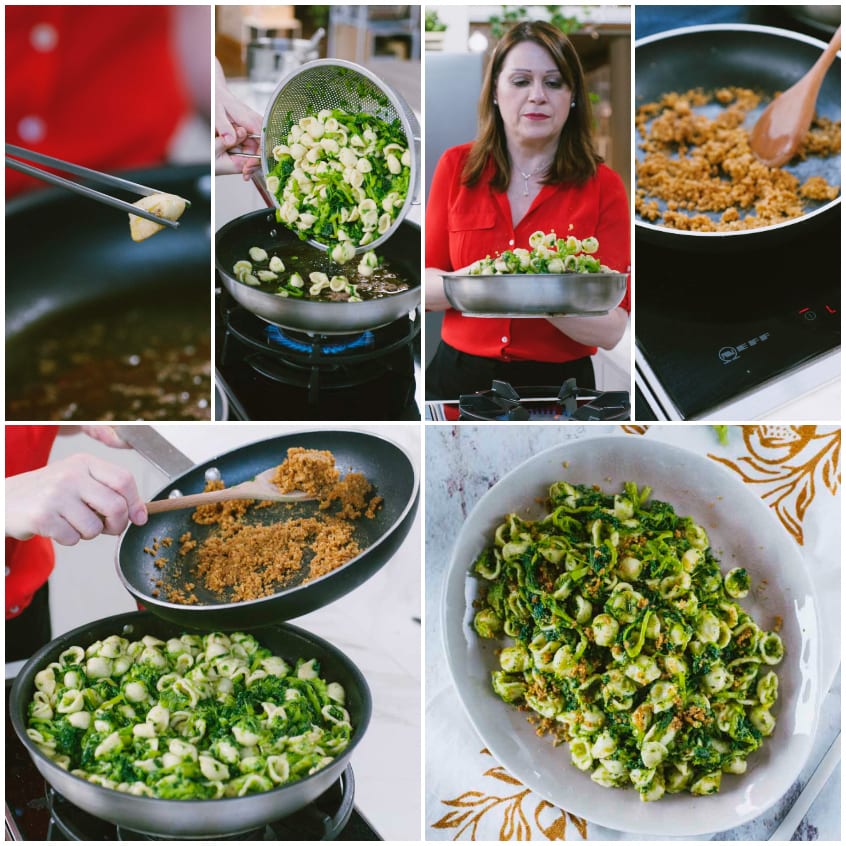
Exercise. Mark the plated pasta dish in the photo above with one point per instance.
(625, 640)
(192, 717)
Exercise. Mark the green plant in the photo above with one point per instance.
(319, 15)
(433, 23)
(514, 14)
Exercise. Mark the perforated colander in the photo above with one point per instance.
(337, 84)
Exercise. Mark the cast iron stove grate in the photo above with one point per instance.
(504, 402)
(325, 819)
(331, 817)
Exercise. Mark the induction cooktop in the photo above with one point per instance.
(713, 327)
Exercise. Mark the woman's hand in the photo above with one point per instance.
(433, 280)
(104, 434)
(234, 122)
(604, 331)
(72, 499)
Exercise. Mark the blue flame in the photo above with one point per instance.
(364, 341)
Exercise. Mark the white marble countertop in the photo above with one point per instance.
(374, 625)
(462, 463)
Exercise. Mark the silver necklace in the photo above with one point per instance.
(529, 175)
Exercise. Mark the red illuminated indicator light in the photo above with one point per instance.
(831, 310)
(803, 310)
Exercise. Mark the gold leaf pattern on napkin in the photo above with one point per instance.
(473, 806)
(788, 463)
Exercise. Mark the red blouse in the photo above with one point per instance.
(28, 563)
(94, 85)
(464, 224)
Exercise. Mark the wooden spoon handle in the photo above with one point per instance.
(833, 45)
(246, 490)
(822, 64)
(194, 500)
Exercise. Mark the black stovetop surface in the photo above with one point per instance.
(713, 326)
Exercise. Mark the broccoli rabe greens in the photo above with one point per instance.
(341, 179)
(548, 254)
(722, 434)
(625, 637)
(193, 717)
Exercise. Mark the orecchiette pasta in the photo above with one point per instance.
(628, 641)
(191, 718)
(333, 171)
(548, 254)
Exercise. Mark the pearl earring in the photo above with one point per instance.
(573, 104)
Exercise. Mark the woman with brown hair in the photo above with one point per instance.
(532, 167)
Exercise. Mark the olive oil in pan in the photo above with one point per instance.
(113, 360)
(304, 260)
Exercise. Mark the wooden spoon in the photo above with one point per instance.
(259, 488)
(785, 122)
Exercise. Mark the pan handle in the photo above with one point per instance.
(160, 452)
(258, 181)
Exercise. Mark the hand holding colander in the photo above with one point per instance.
(337, 84)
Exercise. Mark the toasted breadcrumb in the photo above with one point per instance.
(697, 164)
(242, 560)
(309, 470)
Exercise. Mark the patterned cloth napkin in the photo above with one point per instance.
(794, 469)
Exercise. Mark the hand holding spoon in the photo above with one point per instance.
(784, 124)
(259, 488)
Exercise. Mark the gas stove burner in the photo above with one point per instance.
(372, 378)
(321, 344)
(317, 350)
(324, 819)
(569, 402)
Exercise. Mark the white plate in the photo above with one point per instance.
(742, 532)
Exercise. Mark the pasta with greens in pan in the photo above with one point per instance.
(548, 254)
(628, 641)
(193, 717)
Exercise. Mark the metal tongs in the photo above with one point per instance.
(87, 173)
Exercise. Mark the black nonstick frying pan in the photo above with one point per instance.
(757, 57)
(69, 259)
(194, 819)
(383, 462)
